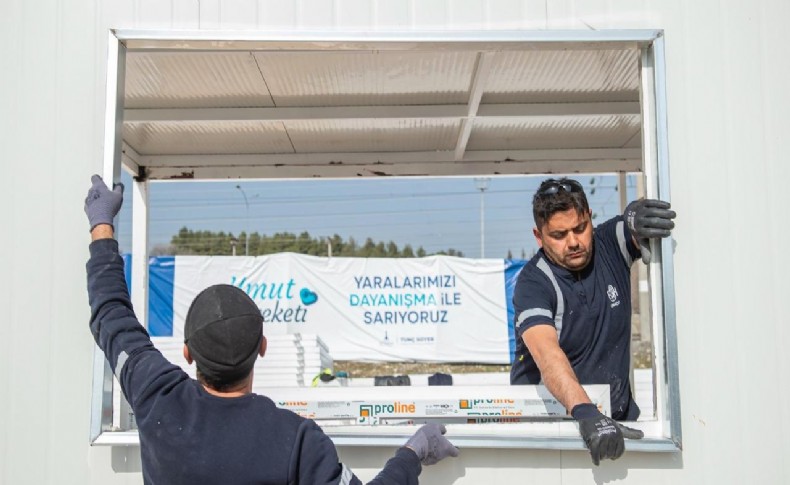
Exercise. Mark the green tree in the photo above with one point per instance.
(392, 250)
(352, 248)
(255, 244)
(204, 242)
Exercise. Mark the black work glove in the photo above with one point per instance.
(602, 435)
(102, 204)
(648, 219)
(430, 445)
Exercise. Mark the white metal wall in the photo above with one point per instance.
(727, 87)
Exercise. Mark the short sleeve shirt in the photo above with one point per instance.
(591, 311)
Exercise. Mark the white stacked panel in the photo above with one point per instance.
(316, 357)
(283, 364)
(290, 360)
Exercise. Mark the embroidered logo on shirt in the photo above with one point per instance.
(612, 293)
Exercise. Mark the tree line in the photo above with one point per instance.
(192, 242)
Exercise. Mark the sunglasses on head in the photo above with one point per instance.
(554, 186)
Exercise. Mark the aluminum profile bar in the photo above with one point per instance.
(484, 40)
(101, 396)
(485, 438)
(667, 251)
(655, 169)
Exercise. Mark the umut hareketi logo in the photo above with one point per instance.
(279, 301)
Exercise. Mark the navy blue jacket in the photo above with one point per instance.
(190, 436)
(591, 310)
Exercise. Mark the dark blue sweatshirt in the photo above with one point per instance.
(190, 436)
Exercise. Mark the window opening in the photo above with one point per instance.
(484, 112)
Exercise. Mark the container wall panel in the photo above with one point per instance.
(239, 14)
(50, 143)
(210, 14)
(186, 14)
(154, 14)
(727, 107)
(506, 14)
(430, 14)
(277, 15)
(393, 14)
(467, 14)
(317, 15)
(354, 14)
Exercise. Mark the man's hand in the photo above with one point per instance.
(648, 219)
(102, 204)
(430, 445)
(602, 435)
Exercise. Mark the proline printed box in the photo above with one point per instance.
(416, 405)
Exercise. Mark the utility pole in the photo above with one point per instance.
(482, 185)
(246, 222)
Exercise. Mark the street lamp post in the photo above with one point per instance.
(482, 185)
(246, 222)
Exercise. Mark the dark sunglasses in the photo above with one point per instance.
(554, 186)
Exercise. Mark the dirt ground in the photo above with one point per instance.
(641, 350)
(365, 369)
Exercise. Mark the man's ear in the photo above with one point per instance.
(538, 236)
(262, 351)
(187, 355)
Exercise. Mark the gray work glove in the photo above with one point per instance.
(648, 219)
(430, 445)
(602, 435)
(102, 204)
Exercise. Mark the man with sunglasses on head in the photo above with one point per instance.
(572, 306)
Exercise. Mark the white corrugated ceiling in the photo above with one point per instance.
(234, 113)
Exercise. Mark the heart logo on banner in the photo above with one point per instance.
(308, 297)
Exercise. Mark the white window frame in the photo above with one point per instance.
(663, 435)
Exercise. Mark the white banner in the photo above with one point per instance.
(439, 308)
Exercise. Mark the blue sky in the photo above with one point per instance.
(435, 213)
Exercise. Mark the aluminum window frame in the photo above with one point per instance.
(105, 419)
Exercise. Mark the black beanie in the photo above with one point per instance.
(223, 331)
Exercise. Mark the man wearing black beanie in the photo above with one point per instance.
(214, 429)
(223, 334)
